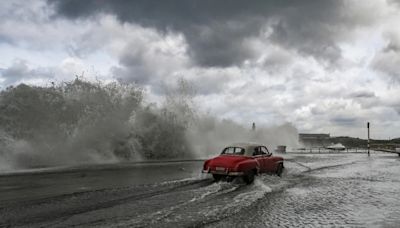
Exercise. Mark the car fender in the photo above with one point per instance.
(247, 165)
(206, 163)
(279, 161)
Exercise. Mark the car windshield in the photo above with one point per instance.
(233, 150)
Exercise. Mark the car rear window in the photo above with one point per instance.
(233, 150)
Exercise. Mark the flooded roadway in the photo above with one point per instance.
(322, 190)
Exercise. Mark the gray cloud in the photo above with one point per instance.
(396, 2)
(5, 39)
(367, 99)
(15, 72)
(216, 31)
(146, 61)
(20, 70)
(362, 94)
(345, 121)
(278, 59)
(387, 61)
(135, 68)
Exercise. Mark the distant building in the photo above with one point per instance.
(314, 140)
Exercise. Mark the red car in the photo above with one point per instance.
(245, 160)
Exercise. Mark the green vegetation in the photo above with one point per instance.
(350, 142)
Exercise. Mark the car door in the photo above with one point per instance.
(257, 154)
(268, 160)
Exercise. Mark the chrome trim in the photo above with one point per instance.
(227, 173)
(235, 173)
(219, 172)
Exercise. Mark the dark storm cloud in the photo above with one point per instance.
(217, 31)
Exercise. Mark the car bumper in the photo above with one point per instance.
(223, 173)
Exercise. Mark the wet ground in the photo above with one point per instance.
(320, 190)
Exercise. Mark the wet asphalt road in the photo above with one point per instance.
(321, 190)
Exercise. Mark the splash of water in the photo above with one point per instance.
(75, 122)
(208, 135)
(85, 122)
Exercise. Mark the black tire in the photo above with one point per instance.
(249, 177)
(279, 170)
(217, 177)
(229, 178)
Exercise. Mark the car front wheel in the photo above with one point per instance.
(279, 170)
(217, 177)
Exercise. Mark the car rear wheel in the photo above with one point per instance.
(279, 170)
(249, 177)
(217, 177)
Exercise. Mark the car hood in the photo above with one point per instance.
(228, 161)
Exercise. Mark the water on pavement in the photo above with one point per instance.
(320, 190)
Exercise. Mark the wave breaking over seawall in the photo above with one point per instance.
(84, 122)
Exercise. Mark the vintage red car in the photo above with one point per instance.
(245, 160)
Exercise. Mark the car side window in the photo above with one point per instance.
(257, 151)
(228, 150)
(264, 150)
(239, 150)
(233, 150)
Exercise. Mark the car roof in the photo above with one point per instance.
(248, 146)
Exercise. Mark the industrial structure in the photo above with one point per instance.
(314, 140)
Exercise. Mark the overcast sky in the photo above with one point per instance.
(325, 66)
